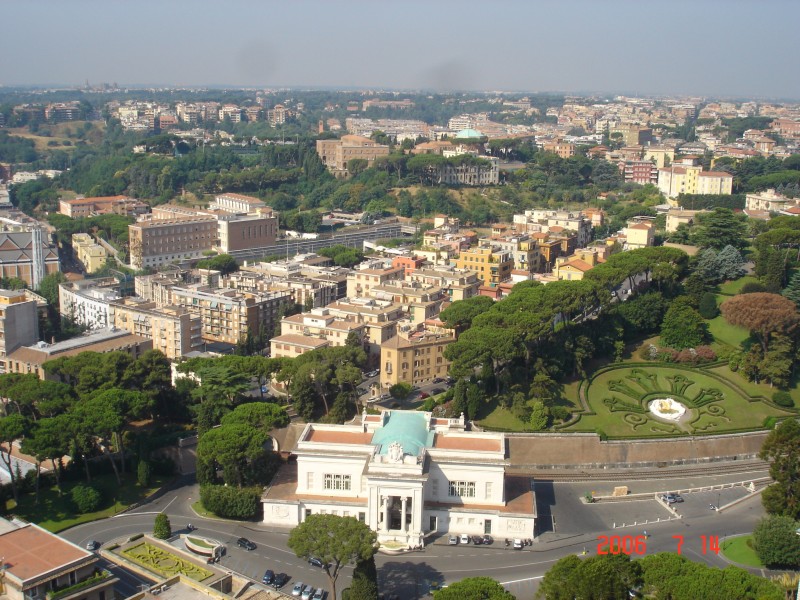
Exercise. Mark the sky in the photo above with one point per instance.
(721, 48)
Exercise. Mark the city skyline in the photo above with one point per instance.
(713, 48)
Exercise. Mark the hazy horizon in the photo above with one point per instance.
(721, 48)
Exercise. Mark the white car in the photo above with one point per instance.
(320, 595)
(298, 588)
(453, 540)
(517, 544)
(465, 539)
(307, 593)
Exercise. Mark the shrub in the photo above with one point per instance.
(560, 413)
(776, 542)
(143, 473)
(708, 306)
(601, 434)
(231, 502)
(135, 537)
(668, 355)
(783, 399)
(86, 498)
(400, 390)
(752, 287)
(162, 529)
(769, 423)
(705, 353)
(428, 405)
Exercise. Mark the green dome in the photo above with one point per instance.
(409, 429)
(468, 134)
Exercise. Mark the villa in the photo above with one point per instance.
(407, 475)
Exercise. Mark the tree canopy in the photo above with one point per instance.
(477, 588)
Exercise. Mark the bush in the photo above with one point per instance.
(769, 423)
(776, 543)
(86, 498)
(752, 287)
(162, 529)
(708, 308)
(783, 399)
(231, 502)
(560, 413)
(143, 473)
(705, 353)
(135, 537)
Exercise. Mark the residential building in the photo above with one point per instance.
(304, 332)
(640, 171)
(19, 322)
(490, 263)
(523, 249)
(679, 216)
(85, 302)
(102, 205)
(419, 300)
(92, 255)
(305, 291)
(575, 266)
(408, 263)
(157, 242)
(662, 156)
(415, 355)
(560, 147)
(29, 359)
(471, 172)
(27, 251)
(639, 234)
(336, 154)
(173, 330)
(369, 274)
(457, 284)
(769, 200)
(227, 315)
(379, 317)
(632, 134)
(691, 179)
(40, 564)
(238, 203)
(544, 220)
(406, 475)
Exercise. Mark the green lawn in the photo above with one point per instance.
(725, 333)
(502, 419)
(738, 550)
(618, 399)
(56, 513)
(755, 389)
(165, 563)
(731, 288)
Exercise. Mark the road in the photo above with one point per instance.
(577, 528)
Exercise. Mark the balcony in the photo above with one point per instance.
(100, 578)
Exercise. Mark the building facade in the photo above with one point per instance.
(415, 356)
(19, 322)
(406, 475)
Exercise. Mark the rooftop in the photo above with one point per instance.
(29, 552)
(409, 429)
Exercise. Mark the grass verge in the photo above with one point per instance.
(738, 550)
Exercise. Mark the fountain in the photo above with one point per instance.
(667, 408)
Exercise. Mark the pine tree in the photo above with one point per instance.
(792, 291)
(162, 528)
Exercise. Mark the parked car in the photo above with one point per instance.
(298, 588)
(477, 540)
(424, 395)
(517, 544)
(435, 391)
(465, 539)
(319, 594)
(453, 540)
(92, 545)
(307, 593)
(438, 380)
(316, 562)
(671, 498)
(246, 544)
(269, 577)
(280, 580)
(487, 540)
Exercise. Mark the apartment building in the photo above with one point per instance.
(228, 315)
(313, 330)
(305, 291)
(560, 147)
(544, 220)
(632, 134)
(420, 301)
(639, 234)
(19, 322)
(680, 216)
(490, 263)
(523, 248)
(102, 205)
(769, 200)
(640, 171)
(415, 356)
(173, 330)
(29, 359)
(379, 318)
(688, 178)
(457, 284)
(157, 242)
(335, 154)
(237, 203)
(85, 302)
(40, 564)
(92, 255)
(369, 274)
(470, 172)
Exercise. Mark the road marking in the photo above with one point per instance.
(520, 580)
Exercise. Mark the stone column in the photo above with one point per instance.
(403, 516)
(385, 513)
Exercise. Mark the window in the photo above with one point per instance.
(435, 488)
(462, 489)
(488, 490)
(337, 482)
(310, 480)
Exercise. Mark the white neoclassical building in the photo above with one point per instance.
(407, 475)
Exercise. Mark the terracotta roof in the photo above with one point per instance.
(96, 199)
(578, 264)
(715, 174)
(455, 442)
(30, 552)
(300, 340)
(328, 436)
(242, 197)
(639, 226)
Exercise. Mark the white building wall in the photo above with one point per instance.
(488, 483)
(84, 310)
(311, 475)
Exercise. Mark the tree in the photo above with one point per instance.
(558, 582)
(708, 306)
(12, 428)
(477, 588)
(232, 446)
(86, 498)
(792, 291)
(601, 577)
(763, 314)
(143, 473)
(335, 540)
(365, 581)
(720, 228)
(776, 542)
(224, 263)
(782, 449)
(162, 529)
(539, 416)
(683, 327)
(458, 316)
(261, 415)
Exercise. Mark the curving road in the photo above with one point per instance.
(575, 528)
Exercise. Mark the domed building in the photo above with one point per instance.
(469, 134)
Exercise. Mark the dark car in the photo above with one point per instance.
(477, 540)
(438, 380)
(246, 544)
(280, 580)
(671, 498)
(487, 540)
(92, 545)
(424, 395)
(316, 562)
(269, 577)
(435, 391)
